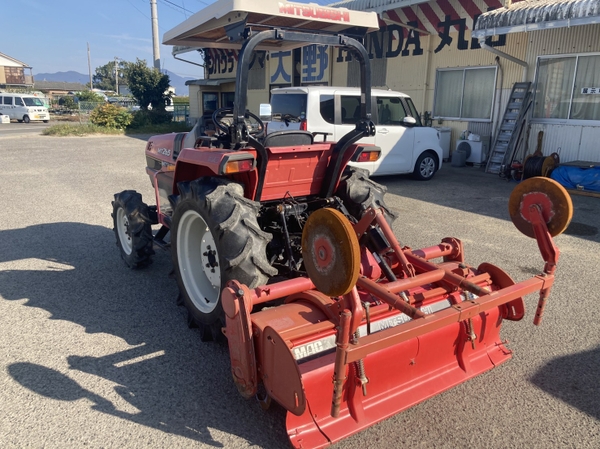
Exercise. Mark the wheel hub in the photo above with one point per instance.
(124, 232)
(198, 260)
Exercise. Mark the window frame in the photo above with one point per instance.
(569, 121)
(462, 96)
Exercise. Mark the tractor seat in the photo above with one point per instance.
(288, 138)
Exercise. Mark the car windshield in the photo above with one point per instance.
(291, 107)
(33, 102)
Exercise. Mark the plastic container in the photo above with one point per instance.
(445, 134)
(459, 159)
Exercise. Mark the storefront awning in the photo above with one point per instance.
(535, 15)
(209, 82)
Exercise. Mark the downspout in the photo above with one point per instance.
(189, 62)
(497, 52)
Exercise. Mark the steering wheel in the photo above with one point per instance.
(255, 127)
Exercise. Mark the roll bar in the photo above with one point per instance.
(238, 131)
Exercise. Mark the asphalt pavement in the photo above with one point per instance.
(14, 129)
(93, 354)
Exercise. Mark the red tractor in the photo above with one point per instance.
(289, 254)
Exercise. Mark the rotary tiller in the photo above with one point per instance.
(375, 327)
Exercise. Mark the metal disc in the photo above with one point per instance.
(331, 252)
(554, 200)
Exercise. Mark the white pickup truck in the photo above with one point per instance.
(406, 145)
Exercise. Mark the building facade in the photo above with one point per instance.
(14, 73)
(458, 60)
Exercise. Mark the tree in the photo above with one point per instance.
(88, 95)
(104, 78)
(148, 86)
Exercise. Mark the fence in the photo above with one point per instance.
(181, 112)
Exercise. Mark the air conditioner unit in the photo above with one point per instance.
(476, 151)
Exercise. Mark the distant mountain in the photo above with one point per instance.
(66, 77)
(178, 82)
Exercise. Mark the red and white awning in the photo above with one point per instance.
(426, 14)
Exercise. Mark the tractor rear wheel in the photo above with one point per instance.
(215, 238)
(358, 192)
(132, 227)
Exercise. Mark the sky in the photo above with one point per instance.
(52, 35)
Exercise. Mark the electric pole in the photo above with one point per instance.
(155, 41)
(117, 75)
(90, 67)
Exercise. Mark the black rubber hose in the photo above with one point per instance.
(533, 166)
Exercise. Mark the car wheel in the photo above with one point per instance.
(26, 119)
(425, 167)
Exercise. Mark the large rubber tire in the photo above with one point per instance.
(26, 119)
(426, 166)
(132, 227)
(215, 238)
(358, 192)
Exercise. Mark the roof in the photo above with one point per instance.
(59, 85)
(11, 62)
(340, 90)
(209, 82)
(376, 5)
(213, 26)
(533, 15)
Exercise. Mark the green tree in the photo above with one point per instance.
(104, 78)
(88, 95)
(148, 86)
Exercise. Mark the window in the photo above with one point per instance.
(466, 94)
(210, 102)
(288, 106)
(8, 100)
(327, 108)
(568, 88)
(350, 110)
(33, 102)
(227, 99)
(413, 111)
(390, 111)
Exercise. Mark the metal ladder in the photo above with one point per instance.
(513, 116)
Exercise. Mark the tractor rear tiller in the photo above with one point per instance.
(375, 327)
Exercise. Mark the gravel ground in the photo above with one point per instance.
(95, 355)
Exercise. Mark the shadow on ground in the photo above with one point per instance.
(574, 380)
(179, 384)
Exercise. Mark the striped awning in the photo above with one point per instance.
(531, 15)
(426, 14)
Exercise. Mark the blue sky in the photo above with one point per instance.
(51, 35)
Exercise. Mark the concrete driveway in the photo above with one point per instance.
(93, 354)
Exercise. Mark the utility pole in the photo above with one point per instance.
(90, 67)
(155, 41)
(117, 75)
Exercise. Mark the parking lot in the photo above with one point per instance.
(93, 354)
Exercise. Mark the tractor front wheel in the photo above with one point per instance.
(132, 227)
(215, 238)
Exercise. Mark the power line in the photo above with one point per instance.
(138, 10)
(177, 6)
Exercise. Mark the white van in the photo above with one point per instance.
(23, 107)
(406, 145)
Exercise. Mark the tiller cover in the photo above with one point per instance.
(376, 328)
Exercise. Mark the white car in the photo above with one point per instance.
(406, 145)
